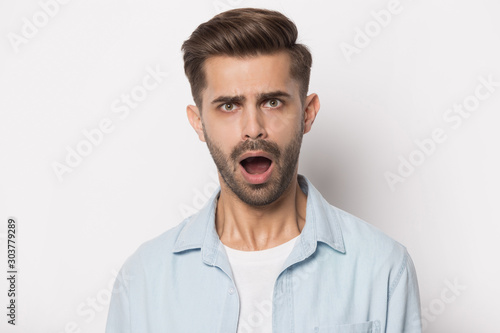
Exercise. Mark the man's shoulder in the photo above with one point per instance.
(349, 234)
(364, 239)
(156, 250)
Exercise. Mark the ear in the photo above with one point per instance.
(311, 110)
(193, 115)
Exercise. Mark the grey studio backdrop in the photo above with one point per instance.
(97, 155)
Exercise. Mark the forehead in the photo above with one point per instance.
(249, 75)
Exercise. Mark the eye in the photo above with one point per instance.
(274, 103)
(227, 107)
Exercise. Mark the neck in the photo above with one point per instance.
(253, 228)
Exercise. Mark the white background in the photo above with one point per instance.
(150, 171)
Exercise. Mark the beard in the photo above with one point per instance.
(284, 169)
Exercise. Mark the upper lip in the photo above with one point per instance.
(255, 154)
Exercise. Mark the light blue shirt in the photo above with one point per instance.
(343, 275)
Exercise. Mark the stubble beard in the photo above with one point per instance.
(258, 194)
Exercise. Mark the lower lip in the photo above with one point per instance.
(257, 178)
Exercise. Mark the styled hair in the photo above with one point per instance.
(241, 33)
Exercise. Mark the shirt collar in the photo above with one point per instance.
(322, 224)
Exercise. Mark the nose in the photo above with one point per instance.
(253, 124)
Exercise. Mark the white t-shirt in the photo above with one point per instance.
(255, 273)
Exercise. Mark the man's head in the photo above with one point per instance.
(241, 33)
(250, 79)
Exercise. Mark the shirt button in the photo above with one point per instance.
(231, 290)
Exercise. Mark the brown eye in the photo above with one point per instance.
(228, 106)
(274, 103)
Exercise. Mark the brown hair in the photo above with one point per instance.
(245, 32)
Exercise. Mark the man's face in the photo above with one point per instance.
(253, 124)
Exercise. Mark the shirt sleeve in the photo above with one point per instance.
(403, 313)
(119, 307)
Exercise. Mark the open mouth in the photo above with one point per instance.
(256, 164)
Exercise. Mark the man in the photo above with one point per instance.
(266, 253)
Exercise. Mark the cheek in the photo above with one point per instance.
(223, 134)
(282, 124)
(226, 132)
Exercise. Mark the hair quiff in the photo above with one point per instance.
(244, 32)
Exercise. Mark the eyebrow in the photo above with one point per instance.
(260, 97)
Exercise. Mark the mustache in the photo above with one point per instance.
(253, 145)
